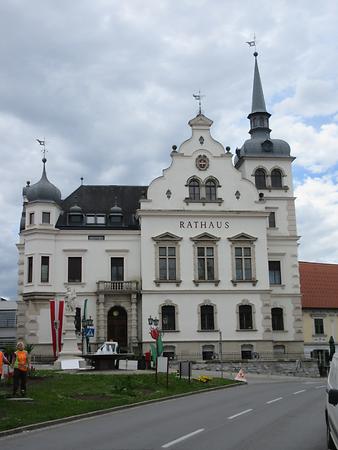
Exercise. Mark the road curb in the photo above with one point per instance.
(101, 412)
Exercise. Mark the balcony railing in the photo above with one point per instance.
(117, 286)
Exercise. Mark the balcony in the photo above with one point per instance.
(117, 286)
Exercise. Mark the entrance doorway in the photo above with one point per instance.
(117, 326)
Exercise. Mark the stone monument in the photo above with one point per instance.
(70, 356)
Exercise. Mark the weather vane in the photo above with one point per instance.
(252, 43)
(43, 144)
(199, 97)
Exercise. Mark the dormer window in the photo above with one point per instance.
(95, 219)
(115, 216)
(75, 216)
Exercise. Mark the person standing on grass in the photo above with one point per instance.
(3, 360)
(21, 366)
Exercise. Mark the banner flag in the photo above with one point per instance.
(56, 314)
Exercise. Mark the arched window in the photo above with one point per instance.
(276, 178)
(210, 190)
(245, 317)
(277, 319)
(207, 317)
(168, 314)
(194, 189)
(260, 179)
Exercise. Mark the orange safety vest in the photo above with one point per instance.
(21, 360)
(1, 362)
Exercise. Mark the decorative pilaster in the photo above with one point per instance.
(133, 319)
(100, 318)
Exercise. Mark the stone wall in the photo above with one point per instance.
(292, 367)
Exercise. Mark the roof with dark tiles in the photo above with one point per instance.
(100, 200)
(319, 285)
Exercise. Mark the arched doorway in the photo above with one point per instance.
(117, 326)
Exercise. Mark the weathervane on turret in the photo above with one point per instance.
(199, 97)
(42, 142)
(253, 44)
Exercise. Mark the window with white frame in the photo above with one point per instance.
(207, 317)
(167, 258)
(194, 189)
(45, 217)
(168, 317)
(245, 317)
(44, 269)
(276, 178)
(277, 319)
(318, 323)
(272, 219)
(210, 190)
(205, 255)
(275, 272)
(31, 218)
(243, 258)
(30, 269)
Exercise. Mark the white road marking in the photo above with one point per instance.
(182, 438)
(319, 387)
(299, 392)
(239, 414)
(274, 400)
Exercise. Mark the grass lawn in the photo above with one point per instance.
(57, 395)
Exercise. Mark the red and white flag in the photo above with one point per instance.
(56, 323)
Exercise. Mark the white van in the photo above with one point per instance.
(331, 410)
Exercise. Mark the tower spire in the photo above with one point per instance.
(258, 102)
(259, 117)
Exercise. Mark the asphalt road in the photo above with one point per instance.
(264, 414)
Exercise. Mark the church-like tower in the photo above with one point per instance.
(267, 163)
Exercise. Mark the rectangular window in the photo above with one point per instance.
(30, 269)
(205, 263)
(101, 220)
(319, 326)
(117, 269)
(167, 263)
(46, 217)
(31, 218)
(272, 220)
(90, 219)
(243, 263)
(44, 269)
(275, 272)
(96, 238)
(74, 269)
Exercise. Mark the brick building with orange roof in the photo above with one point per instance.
(319, 289)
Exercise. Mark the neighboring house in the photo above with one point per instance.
(7, 322)
(319, 289)
(209, 248)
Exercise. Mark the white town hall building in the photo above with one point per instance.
(209, 248)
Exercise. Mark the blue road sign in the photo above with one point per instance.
(89, 332)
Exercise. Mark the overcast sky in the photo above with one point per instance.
(109, 84)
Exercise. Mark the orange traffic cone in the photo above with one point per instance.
(240, 376)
